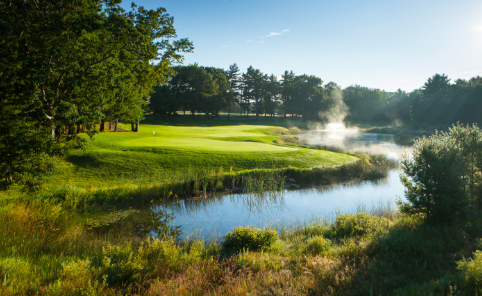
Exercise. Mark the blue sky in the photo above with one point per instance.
(386, 44)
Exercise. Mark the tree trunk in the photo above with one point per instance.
(110, 124)
(115, 126)
(101, 127)
(138, 123)
(78, 128)
(256, 107)
(132, 125)
(53, 132)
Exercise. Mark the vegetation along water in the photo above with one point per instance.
(124, 172)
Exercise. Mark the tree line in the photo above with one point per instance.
(210, 90)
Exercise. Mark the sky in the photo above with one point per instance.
(388, 44)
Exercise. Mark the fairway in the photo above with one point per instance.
(114, 158)
(206, 145)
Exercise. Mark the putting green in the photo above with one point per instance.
(203, 144)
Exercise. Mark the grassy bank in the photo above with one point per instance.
(47, 250)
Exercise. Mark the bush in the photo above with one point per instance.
(472, 273)
(352, 225)
(120, 264)
(317, 244)
(442, 174)
(253, 239)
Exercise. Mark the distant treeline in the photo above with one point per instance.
(211, 90)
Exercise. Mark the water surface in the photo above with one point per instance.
(215, 216)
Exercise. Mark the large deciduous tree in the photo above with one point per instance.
(64, 64)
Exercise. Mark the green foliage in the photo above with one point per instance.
(317, 244)
(364, 103)
(123, 264)
(253, 239)
(77, 278)
(441, 174)
(348, 225)
(472, 273)
(68, 65)
(120, 265)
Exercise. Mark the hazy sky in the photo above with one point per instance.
(387, 44)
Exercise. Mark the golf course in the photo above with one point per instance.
(240, 148)
(160, 151)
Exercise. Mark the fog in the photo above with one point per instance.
(336, 134)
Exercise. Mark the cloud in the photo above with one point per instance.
(275, 33)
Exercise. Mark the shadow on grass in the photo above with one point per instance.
(222, 120)
(85, 161)
(410, 259)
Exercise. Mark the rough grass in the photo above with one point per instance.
(45, 250)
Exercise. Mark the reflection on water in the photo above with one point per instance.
(218, 215)
(215, 216)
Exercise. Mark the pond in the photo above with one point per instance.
(215, 216)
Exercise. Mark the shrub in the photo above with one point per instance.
(352, 225)
(472, 273)
(442, 172)
(120, 265)
(76, 279)
(253, 239)
(317, 244)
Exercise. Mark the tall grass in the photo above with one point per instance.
(47, 249)
(208, 181)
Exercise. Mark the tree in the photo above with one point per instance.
(271, 98)
(163, 101)
(254, 87)
(287, 85)
(201, 89)
(63, 63)
(442, 174)
(435, 85)
(234, 82)
(308, 95)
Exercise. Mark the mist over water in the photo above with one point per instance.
(336, 134)
(350, 139)
(336, 110)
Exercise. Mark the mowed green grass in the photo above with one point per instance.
(126, 157)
